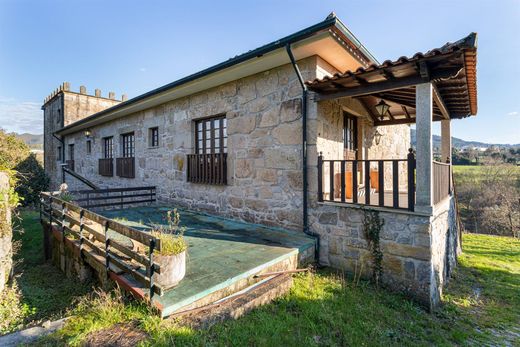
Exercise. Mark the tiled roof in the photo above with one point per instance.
(460, 53)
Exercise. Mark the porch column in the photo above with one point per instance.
(424, 158)
(446, 140)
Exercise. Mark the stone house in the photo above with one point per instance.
(305, 133)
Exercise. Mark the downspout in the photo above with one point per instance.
(304, 150)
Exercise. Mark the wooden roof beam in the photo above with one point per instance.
(369, 110)
(383, 86)
(405, 110)
(439, 102)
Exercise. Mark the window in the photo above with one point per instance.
(208, 164)
(128, 142)
(211, 135)
(89, 147)
(59, 154)
(153, 137)
(70, 162)
(71, 152)
(108, 145)
(350, 132)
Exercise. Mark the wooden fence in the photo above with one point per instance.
(441, 181)
(106, 244)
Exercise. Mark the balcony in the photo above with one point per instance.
(125, 167)
(106, 167)
(207, 168)
(384, 182)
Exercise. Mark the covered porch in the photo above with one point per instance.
(437, 86)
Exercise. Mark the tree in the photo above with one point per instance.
(28, 176)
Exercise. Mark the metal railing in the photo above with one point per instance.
(114, 197)
(383, 182)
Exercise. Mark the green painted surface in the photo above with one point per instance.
(220, 252)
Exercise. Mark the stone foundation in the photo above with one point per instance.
(419, 251)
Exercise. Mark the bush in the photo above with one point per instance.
(27, 174)
(488, 196)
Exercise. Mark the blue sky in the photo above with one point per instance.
(134, 46)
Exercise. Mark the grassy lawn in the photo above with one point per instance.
(482, 306)
(470, 174)
(39, 291)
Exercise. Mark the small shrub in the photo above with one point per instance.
(171, 235)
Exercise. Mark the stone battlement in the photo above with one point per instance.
(65, 87)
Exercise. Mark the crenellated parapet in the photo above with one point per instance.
(65, 87)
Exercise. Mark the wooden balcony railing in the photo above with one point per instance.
(441, 181)
(70, 164)
(125, 167)
(384, 182)
(207, 168)
(106, 167)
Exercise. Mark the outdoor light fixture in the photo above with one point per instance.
(382, 108)
(377, 137)
(87, 133)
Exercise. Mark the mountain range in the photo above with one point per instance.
(35, 141)
(459, 143)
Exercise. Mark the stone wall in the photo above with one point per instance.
(60, 109)
(419, 251)
(263, 114)
(6, 234)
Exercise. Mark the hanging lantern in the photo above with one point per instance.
(382, 108)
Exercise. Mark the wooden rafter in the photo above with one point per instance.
(405, 110)
(439, 102)
(386, 85)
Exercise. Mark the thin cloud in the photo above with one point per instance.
(514, 113)
(21, 116)
(143, 69)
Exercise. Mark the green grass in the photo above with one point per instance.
(482, 306)
(39, 290)
(471, 174)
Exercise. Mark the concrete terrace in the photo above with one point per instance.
(223, 255)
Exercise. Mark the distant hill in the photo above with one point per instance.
(459, 143)
(34, 141)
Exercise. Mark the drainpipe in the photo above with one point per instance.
(304, 150)
(62, 141)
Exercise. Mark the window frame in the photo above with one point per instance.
(213, 139)
(59, 154)
(89, 146)
(153, 137)
(71, 151)
(350, 132)
(108, 147)
(128, 145)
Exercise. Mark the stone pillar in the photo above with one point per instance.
(446, 140)
(82, 90)
(424, 178)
